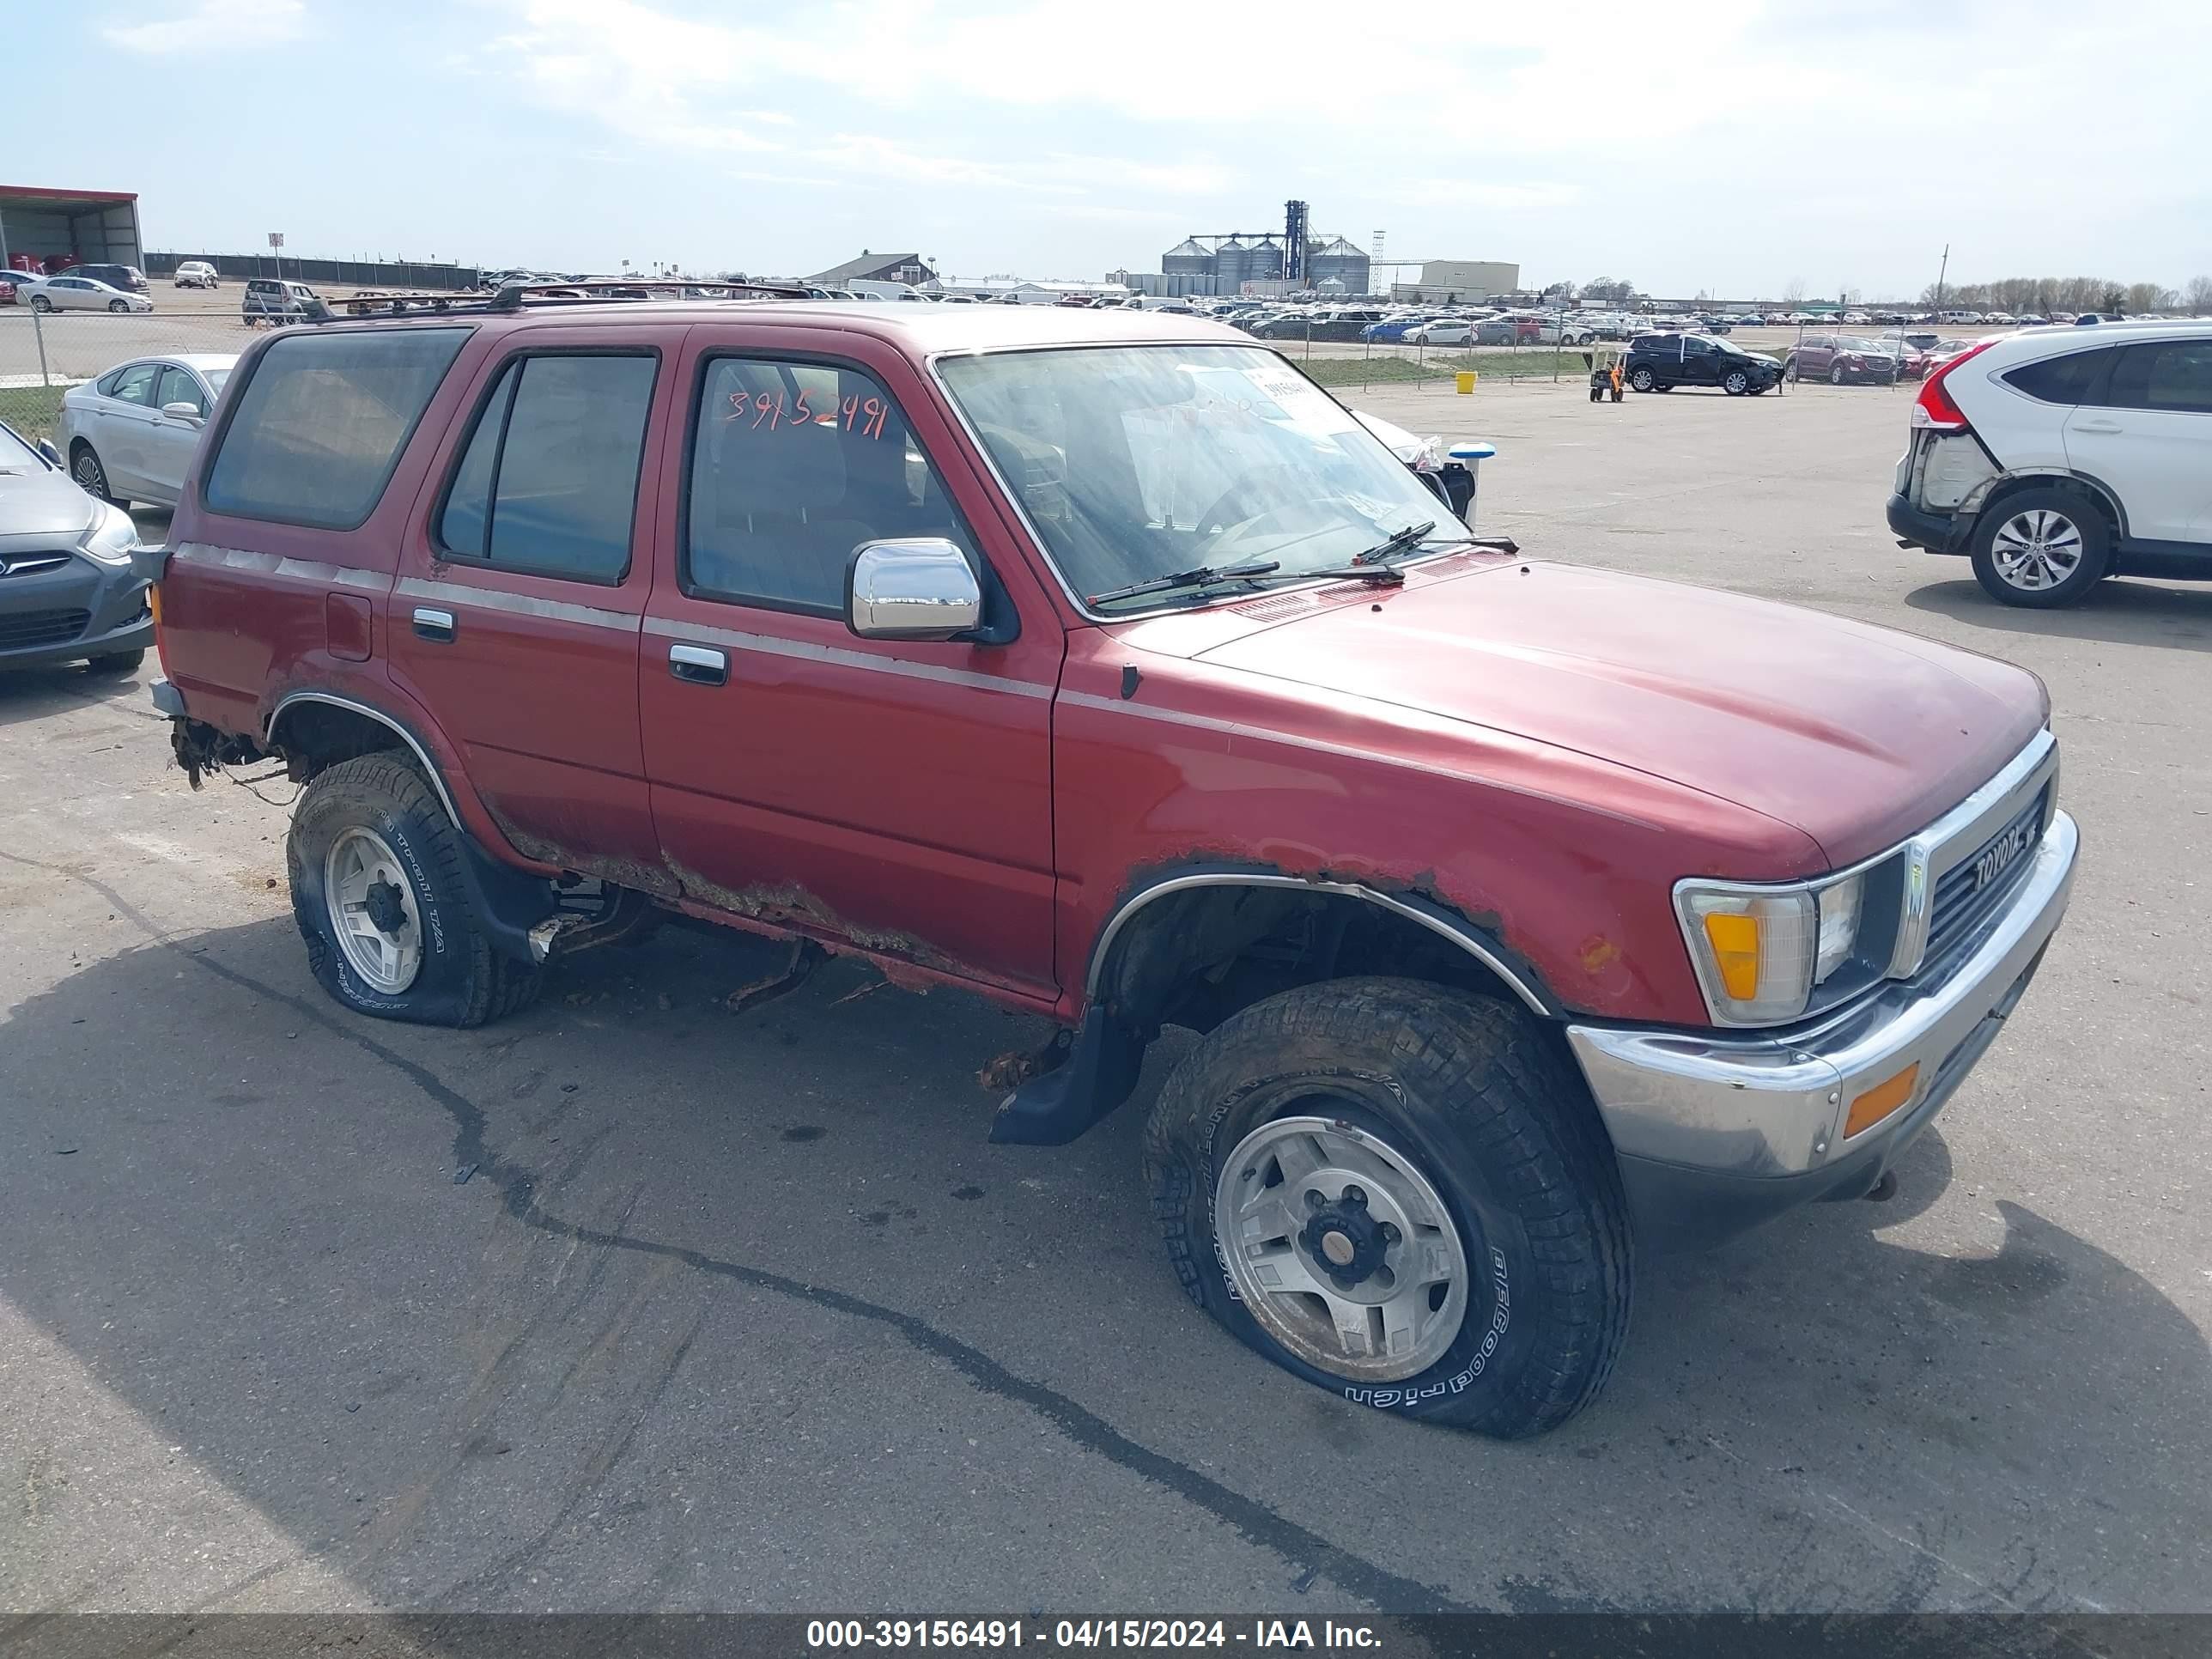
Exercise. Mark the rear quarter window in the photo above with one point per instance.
(314, 438)
(2067, 380)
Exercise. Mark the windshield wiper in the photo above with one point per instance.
(1375, 575)
(1204, 576)
(1409, 537)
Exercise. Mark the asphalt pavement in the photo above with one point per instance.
(631, 1302)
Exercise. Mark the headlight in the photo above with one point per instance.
(1760, 951)
(110, 540)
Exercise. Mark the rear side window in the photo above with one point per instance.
(134, 384)
(2174, 376)
(548, 485)
(322, 423)
(2067, 380)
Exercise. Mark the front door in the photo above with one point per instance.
(516, 614)
(171, 438)
(2149, 436)
(896, 795)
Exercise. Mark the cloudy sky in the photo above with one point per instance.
(1724, 145)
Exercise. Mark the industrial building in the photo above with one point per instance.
(1450, 281)
(1266, 261)
(44, 229)
(908, 267)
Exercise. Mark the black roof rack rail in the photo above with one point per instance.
(511, 298)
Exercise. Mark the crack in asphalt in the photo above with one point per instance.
(1251, 1519)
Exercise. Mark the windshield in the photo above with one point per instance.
(1863, 345)
(215, 378)
(1136, 461)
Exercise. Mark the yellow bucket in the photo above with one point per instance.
(1466, 381)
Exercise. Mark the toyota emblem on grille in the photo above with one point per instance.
(1995, 858)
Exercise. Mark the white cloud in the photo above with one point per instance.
(233, 24)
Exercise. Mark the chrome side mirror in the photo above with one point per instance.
(922, 589)
(188, 413)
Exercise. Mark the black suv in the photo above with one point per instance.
(128, 278)
(1660, 363)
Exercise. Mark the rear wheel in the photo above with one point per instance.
(2041, 548)
(1642, 378)
(379, 897)
(1403, 1195)
(90, 477)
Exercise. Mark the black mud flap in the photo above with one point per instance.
(1100, 1070)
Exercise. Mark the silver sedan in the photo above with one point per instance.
(67, 293)
(129, 436)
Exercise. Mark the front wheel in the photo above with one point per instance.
(2041, 548)
(118, 306)
(116, 664)
(1403, 1195)
(1836, 375)
(41, 303)
(379, 897)
(1736, 383)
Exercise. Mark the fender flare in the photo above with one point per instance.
(1978, 499)
(507, 890)
(1476, 941)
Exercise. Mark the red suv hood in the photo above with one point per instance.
(1856, 735)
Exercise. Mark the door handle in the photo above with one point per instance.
(434, 624)
(701, 664)
(2100, 427)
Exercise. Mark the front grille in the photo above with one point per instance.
(28, 628)
(1961, 906)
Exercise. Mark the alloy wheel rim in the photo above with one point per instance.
(2036, 550)
(1341, 1249)
(88, 475)
(372, 910)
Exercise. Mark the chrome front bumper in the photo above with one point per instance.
(1764, 1114)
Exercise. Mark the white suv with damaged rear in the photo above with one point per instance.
(2058, 456)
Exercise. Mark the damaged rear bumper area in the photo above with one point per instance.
(1717, 1132)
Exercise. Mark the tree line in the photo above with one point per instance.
(2040, 294)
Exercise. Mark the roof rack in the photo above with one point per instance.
(512, 298)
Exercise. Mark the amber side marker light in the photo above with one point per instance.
(1879, 1101)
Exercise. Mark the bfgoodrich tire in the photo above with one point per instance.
(373, 854)
(1403, 1195)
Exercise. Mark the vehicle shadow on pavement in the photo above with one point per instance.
(33, 694)
(2122, 612)
(561, 1299)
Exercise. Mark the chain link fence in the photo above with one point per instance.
(46, 350)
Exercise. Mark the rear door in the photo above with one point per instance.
(894, 794)
(124, 432)
(2149, 436)
(522, 586)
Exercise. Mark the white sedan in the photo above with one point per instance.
(1443, 331)
(67, 293)
(129, 436)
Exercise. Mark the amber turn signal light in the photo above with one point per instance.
(1879, 1101)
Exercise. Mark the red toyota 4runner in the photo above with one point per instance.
(1106, 666)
